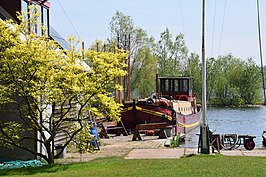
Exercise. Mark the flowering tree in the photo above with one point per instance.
(46, 85)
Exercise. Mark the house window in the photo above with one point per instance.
(25, 9)
(43, 19)
(38, 28)
(24, 6)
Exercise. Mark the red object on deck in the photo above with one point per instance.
(150, 132)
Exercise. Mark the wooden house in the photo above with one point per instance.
(8, 10)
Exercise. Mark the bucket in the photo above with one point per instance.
(93, 131)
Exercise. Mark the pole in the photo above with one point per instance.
(119, 78)
(261, 58)
(128, 70)
(83, 50)
(97, 46)
(125, 77)
(115, 83)
(204, 131)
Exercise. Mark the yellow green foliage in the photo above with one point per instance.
(82, 139)
(34, 69)
(13, 129)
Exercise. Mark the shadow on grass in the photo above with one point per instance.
(34, 170)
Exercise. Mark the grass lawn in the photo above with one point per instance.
(199, 165)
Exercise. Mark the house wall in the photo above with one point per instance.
(11, 6)
(9, 113)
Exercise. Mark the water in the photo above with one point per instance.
(245, 121)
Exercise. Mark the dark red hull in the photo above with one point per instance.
(134, 114)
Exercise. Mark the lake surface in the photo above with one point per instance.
(244, 121)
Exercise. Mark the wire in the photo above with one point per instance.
(68, 19)
(260, 48)
(57, 21)
(213, 27)
(182, 16)
(225, 2)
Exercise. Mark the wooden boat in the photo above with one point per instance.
(264, 138)
(174, 103)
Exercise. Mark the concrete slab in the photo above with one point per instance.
(242, 152)
(232, 152)
(179, 152)
(255, 152)
(189, 151)
(155, 153)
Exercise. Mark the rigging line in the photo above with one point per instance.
(213, 27)
(260, 47)
(184, 32)
(54, 18)
(68, 19)
(225, 2)
(182, 16)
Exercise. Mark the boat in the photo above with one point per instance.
(173, 103)
(264, 138)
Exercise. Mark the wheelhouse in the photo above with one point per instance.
(177, 88)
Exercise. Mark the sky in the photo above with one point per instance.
(231, 25)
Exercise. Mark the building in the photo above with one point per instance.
(8, 10)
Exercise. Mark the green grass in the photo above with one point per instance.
(199, 165)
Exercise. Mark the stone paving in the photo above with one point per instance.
(115, 146)
(243, 152)
(169, 153)
(149, 148)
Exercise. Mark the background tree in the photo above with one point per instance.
(221, 72)
(172, 55)
(232, 81)
(249, 83)
(193, 69)
(229, 78)
(137, 40)
(99, 46)
(46, 85)
(143, 75)
(210, 77)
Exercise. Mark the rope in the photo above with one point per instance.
(68, 18)
(225, 1)
(182, 16)
(260, 48)
(214, 16)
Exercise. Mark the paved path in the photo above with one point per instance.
(149, 148)
(181, 152)
(243, 152)
(155, 153)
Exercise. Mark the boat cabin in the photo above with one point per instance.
(176, 88)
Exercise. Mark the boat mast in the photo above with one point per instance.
(203, 66)
(204, 130)
(261, 60)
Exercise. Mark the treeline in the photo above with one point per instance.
(231, 81)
